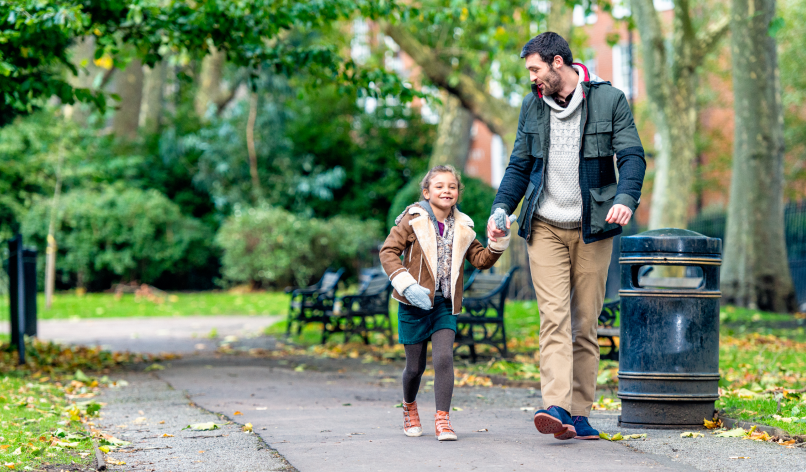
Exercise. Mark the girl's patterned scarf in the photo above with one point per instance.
(444, 256)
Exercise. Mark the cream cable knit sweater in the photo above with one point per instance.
(560, 203)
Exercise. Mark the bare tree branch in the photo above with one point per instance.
(497, 114)
(222, 103)
(708, 38)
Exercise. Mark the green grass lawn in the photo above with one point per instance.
(35, 427)
(68, 305)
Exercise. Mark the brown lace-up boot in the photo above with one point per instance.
(442, 426)
(411, 420)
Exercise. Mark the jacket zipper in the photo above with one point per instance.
(581, 159)
(536, 195)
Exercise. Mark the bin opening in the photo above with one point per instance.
(668, 276)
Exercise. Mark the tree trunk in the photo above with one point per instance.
(496, 113)
(83, 52)
(50, 260)
(250, 144)
(129, 86)
(756, 273)
(671, 84)
(153, 97)
(560, 19)
(453, 134)
(674, 164)
(209, 85)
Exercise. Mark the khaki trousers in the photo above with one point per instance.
(569, 278)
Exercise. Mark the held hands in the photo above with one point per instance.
(418, 296)
(499, 223)
(619, 214)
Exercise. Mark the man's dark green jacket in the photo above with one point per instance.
(607, 129)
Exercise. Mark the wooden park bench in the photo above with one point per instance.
(482, 317)
(365, 312)
(312, 304)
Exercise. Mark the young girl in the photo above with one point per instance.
(434, 239)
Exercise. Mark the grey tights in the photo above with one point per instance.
(442, 357)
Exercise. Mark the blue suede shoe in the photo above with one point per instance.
(556, 421)
(584, 429)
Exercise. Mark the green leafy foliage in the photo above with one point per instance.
(318, 153)
(270, 246)
(132, 233)
(34, 41)
(34, 44)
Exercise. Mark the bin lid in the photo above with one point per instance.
(674, 240)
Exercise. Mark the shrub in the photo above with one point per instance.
(132, 233)
(268, 246)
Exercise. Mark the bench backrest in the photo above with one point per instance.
(372, 281)
(483, 284)
(490, 287)
(329, 281)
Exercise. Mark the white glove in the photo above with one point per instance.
(418, 296)
(500, 217)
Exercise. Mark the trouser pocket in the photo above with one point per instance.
(601, 202)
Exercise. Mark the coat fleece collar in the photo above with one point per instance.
(463, 236)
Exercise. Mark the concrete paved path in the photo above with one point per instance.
(151, 416)
(339, 414)
(347, 422)
(185, 334)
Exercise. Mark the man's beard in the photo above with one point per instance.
(552, 84)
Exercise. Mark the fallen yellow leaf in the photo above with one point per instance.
(237, 413)
(733, 433)
(716, 423)
(104, 449)
(247, 427)
(691, 434)
(166, 435)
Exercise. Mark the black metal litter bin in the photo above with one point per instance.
(669, 346)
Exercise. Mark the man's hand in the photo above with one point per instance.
(618, 214)
(495, 230)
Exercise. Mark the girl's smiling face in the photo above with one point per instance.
(442, 191)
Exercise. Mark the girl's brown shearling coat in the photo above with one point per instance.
(415, 238)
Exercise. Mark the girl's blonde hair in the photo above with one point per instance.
(438, 170)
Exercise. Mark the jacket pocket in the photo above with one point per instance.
(601, 201)
(598, 140)
(530, 189)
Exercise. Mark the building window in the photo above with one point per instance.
(498, 163)
(580, 18)
(663, 5)
(359, 46)
(622, 69)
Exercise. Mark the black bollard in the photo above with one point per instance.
(22, 294)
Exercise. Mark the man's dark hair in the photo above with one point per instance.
(548, 45)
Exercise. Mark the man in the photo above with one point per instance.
(570, 127)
